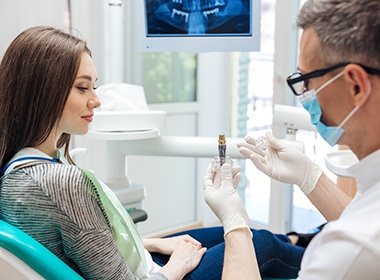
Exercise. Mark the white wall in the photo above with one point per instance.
(174, 185)
(17, 15)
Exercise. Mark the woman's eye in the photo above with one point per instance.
(83, 89)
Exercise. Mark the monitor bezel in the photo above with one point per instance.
(199, 44)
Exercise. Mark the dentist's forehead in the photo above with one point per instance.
(309, 57)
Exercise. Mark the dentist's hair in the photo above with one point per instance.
(36, 75)
(348, 30)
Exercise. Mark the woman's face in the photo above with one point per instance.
(82, 100)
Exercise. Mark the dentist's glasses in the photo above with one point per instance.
(299, 82)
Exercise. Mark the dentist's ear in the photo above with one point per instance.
(360, 83)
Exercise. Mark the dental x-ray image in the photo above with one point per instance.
(198, 17)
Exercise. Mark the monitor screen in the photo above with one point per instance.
(198, 25)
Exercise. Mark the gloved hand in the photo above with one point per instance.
(283, 162)
(221, 196)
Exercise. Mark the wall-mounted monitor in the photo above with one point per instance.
(198, 25)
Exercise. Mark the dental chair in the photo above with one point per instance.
(23, 257)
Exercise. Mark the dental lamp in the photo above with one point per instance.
(129, 133)
(138, 133)
(293, 118)
(120, 131)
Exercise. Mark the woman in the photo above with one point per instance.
(47, 93)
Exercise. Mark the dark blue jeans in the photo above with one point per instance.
(276, 256)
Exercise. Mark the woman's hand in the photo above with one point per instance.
(185, 256)
(166, 246)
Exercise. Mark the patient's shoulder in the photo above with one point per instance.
(54, 180)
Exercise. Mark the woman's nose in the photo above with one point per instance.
(94, 102)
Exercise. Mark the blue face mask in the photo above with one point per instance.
(310, 102)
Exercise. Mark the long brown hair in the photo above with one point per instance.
(36, 74)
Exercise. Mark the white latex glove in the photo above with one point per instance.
(282, 161)
(221, 196)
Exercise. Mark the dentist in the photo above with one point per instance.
(338, 83)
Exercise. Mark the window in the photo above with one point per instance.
(169, 77)
(260, 95)
(303, 215)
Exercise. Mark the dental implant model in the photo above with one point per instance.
(222, 148)
(221, 158)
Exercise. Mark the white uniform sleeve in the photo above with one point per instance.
(340, 256)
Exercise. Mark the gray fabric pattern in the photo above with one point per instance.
(58, 206)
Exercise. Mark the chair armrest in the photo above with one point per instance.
(137, 215)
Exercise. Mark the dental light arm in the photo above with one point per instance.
(149, 142)
(176, 146)
(292, 118)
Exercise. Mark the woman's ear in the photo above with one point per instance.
(360, 84)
